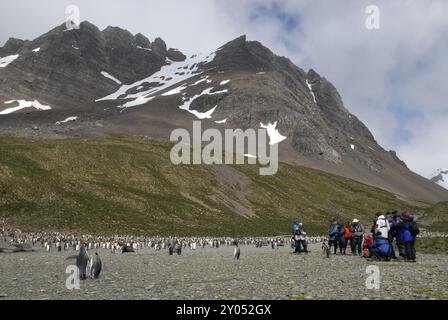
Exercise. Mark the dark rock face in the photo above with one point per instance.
(128, 56)
(397, 159)
(12, 46)
(242, 55)
(277, 90)
(159, 47)
(175, 55)
(66, 71)
(142, 41)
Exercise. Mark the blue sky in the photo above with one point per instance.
(273, 11)
(394, 79)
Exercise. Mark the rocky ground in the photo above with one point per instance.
(212, 274)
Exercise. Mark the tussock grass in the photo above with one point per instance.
(127, 185)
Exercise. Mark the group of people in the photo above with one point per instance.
(387, 229)
(377, 243)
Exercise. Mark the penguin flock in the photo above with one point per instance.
(57, 241)
(90, 266)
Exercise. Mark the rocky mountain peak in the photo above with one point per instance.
(440, 177)
(63, 64)
(142, 41)
(12, 45)
(159, 46)
(313, 76)
(117, 37)
(240, 54)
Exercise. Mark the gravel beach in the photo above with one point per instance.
(261, 273)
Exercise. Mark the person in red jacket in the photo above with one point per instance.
(347, 237)
(368, 240)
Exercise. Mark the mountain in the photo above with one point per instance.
(440, 177)
(70, 68)
(86, 83)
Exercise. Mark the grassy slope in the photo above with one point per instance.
(437, 216)
(127, 185)
(432, 245)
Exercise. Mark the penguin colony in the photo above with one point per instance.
(122, 244)
(91, 265)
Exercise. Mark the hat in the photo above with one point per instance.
(355, 220)
(406, 215)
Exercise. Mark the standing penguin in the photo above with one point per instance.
(95, 266)
(82, 260)
(236, 252)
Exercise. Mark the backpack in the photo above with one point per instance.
(295, 226)
(347, 233)
(333, 230)
(413, 228)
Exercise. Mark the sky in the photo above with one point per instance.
(394, 78)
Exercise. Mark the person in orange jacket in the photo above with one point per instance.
(347, 237)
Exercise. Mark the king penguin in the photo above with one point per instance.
(95, 266)
(236, 252)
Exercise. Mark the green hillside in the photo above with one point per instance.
(127, 185)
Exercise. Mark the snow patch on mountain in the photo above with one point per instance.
(69, 119)
(175, 91)
(440, 177)
(198, 82)
(147, 49)
(7, 60)
(311, 91)
(36, 50)
(274, 136)
(107, 75)
(167, 77)
(222, 83)
(24, 104)
(200, 115)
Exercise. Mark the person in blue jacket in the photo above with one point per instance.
(408, 235)
(381, 248)
(335, 232)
